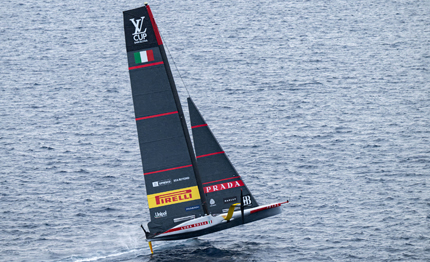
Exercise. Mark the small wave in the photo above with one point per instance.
(109, 209)
(120, 256)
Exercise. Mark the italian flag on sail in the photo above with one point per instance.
(143, 56)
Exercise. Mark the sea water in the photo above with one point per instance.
(323, 103)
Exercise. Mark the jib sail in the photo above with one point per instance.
(222, 184)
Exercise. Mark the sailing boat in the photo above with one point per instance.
(189, 194)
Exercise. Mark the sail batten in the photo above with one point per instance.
(211, 154)
(158, 115)
(147, 65)
(168, 169)
(197, 126)
(216, 181)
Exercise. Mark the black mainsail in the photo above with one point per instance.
(221, 182)
(168, 161)
(188, 196)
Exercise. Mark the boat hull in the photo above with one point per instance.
(210, 223)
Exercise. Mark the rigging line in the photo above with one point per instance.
(174, 63)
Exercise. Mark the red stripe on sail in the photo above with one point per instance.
(154, 25)
(221, 180)
(146, 65)
(168, 169)
(211, 154)
(199, 126)
(165, 114)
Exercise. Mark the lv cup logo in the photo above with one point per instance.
(138, 35)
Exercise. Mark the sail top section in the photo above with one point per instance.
(141, 31)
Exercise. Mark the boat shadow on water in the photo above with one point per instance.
(200, 250)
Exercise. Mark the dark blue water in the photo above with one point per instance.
(325, 103)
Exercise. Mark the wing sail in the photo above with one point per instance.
(165, 146)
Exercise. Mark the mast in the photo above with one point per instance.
(180, 113)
